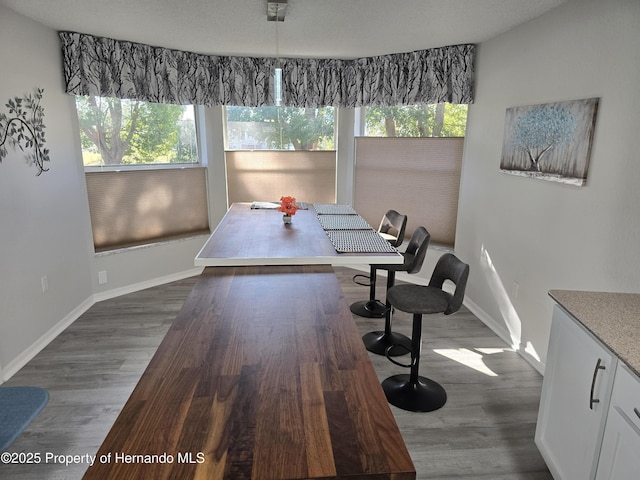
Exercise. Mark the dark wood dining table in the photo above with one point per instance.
(247, 236)
(262, 375)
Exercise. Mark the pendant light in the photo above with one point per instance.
(276, 11)
(277, 74)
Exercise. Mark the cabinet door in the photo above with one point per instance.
(620, 454)
(619, 459)
(576, 390)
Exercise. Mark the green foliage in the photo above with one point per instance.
(134, 132)
(281, 128)
(313, 128)
(24, 128)
(157, 132)
(438, 120)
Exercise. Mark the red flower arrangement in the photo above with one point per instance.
(288, 206)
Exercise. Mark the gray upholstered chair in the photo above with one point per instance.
(392, 228)
(413, 392)
(379, 341)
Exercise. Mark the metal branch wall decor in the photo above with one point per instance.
(23, 129)
(550, 141)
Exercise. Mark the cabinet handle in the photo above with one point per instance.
(599, 366)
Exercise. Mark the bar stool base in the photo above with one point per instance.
(378, 342)
(369, 309)
(425, 395)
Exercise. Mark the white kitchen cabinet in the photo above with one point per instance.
(575, 398)
(620, 454)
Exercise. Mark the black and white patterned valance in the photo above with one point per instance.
(112, 68)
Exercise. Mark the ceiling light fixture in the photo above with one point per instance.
(276, 11)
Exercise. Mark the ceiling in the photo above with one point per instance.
(312, 28)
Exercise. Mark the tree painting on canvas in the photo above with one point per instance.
(550, 141)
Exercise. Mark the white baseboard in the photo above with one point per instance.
(154, 282)
(502, 332)
(494, 326)
(7, 372)
(21, 360)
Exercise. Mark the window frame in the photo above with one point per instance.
(169, 230)
(226, 131)
(197, 115)
(360, 130)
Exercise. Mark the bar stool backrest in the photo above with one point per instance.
(450, 267)
(393, 224)
(416, 251)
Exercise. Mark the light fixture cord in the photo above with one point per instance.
(277, 39)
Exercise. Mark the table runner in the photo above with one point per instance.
(343, 222)
(359, 241)
(334, 209)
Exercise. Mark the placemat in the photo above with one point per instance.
(334, 209)
(359, 241)
(343, 222)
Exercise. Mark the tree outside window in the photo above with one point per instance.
(280, 128)
(437, 120)
(128, 132)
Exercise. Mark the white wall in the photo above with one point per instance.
(546, 235)
(46, 226)
(44, 220)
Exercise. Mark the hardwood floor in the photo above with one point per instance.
(485, 431)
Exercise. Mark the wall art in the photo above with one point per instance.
(23, 129)
(550, 141)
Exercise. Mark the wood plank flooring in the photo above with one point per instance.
(485, 431)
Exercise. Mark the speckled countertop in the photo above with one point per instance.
(614, 318)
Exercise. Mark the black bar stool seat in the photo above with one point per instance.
(387, 342)
(411, 391)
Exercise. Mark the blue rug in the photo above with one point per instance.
(18, 407)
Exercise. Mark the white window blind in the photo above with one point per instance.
(266, 175)
(137, 207)
(418, 177)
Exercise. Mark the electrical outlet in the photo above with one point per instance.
(102, 277)
(44, 282)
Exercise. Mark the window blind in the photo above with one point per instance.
(418, 177)
(137, 207)
(266, 175)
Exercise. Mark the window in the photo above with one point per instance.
(418, 175)
(437, 120)
(259, 169)
(130, 132)
(280, 128)
(130, 205)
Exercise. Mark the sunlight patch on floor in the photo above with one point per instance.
(470, 358)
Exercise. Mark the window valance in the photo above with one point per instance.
(112, 68)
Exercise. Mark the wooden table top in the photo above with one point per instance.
(262, 375)
(248, 236)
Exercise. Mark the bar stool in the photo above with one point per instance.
(413, 392)
(392, 228)
(385, 342)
